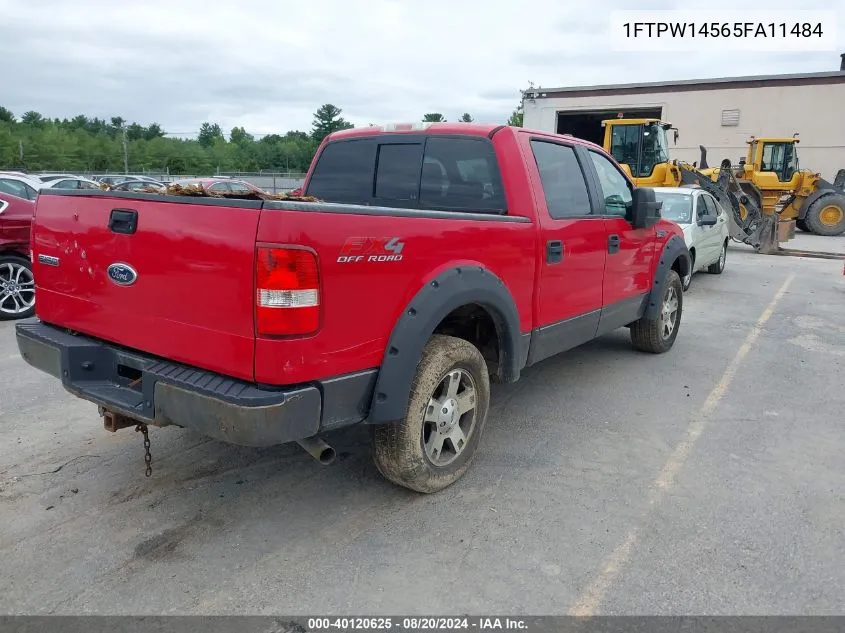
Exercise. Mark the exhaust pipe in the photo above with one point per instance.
(318, 449)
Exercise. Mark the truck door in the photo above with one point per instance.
(572, 248)
(627, 271)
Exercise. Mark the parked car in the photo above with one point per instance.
(24, 187)
(392, 303)
(111, 180)
(138, 185)
(51, 177)
(705, 225)
(17, 286)
(74, 182)
(222, 185)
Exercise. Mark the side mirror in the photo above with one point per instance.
(707, 220)
(645, 209)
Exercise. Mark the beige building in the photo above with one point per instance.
(720, 114)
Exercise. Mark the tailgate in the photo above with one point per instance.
(179, 286)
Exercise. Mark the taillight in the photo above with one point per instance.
(287, 283)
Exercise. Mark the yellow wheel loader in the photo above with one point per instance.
(765, 207)
(771, 175)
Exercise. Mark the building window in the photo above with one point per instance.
(730, 118)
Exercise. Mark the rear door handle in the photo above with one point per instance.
(554, 252)
(123, 221)
(613, 244)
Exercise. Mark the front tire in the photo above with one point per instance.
(434, 445)
(826, 216)
(658, 335)
(718, 266)
(17, 288)
(686, 281)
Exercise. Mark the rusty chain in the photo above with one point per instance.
(148, 458)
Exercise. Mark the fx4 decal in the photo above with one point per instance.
(371, 249)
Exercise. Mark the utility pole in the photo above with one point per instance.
(125, 153)
(20, 148)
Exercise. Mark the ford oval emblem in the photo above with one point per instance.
(122, 274)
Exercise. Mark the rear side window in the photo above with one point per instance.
(461, 174)
(344, 172)
(563, 180)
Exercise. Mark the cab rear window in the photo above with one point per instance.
(414, 172)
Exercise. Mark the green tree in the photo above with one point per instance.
(135, 132)
(433, 117)
(240, 137)
(466, 118)
(84, 143)
(153, 130)
(116, 125)
(79, 122)
(6, 115)
(327, 119)
(32, 118)
(515, 118)
(209, 133)
(96, 126)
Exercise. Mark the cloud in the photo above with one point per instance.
(268, 66)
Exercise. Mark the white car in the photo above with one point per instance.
(72, 182)
(705, 225)
(22, 186)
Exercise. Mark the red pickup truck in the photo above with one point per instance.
(438, 256)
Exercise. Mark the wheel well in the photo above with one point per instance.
(14, 253)
(473, 323)
(681, 265)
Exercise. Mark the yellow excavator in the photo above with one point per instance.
(767, 194)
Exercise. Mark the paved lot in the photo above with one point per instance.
(709, 480)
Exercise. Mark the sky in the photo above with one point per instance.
(267, 66)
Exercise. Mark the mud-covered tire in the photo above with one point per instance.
(819, 210)
(400, 449)
(649, 335)
(718, 267)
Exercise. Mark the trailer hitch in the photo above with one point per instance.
(113, 422)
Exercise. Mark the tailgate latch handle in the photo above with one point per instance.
(123, 221)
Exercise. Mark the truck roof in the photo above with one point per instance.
(468, 129)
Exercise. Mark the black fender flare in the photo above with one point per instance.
(451, 289)
(674, 248)
(823, 188)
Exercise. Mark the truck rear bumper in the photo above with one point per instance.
(158, 392)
